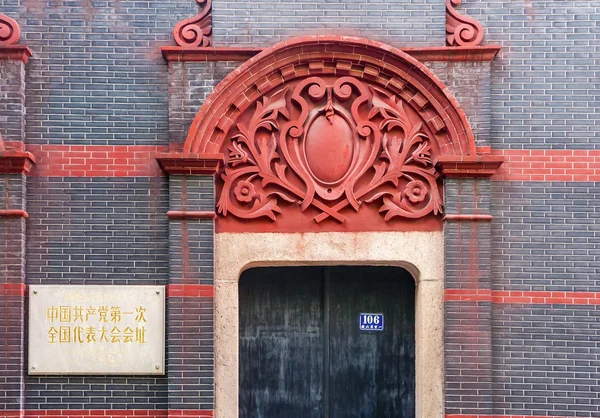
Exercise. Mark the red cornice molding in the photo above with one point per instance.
(16, 162)
(183, 214)
(15, 52)
(175, 163)
(13, 213)
(455, 54)
(240, 54)
(482, 166)
(188, 54)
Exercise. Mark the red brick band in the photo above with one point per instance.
(524, 297)
(450, 295)
(13, 289)
(173, 290)
(96, 160)
(108, 413)
(190, 290)
(140, 161)
(549, 165)
(13, 213)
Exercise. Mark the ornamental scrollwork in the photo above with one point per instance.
(461, 30)
(333, 145)
(196, 31)
(10, 32)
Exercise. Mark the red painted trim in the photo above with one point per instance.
(13, 289)
(484, 165)
(467, 295)
(468, 218)
(175, 163)
(524, 297)
(173, 290)
(13, 213)
(16, 162)
(191, 290)
(96, 160)
(183, 54)
(455, 54)
(108, 413)
(567, 298)
(15, 52)
(182, 214)
(548, 165)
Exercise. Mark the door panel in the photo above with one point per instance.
(302, 354)
(281, 343)
(371, 373)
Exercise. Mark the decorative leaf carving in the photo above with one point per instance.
(390, 154)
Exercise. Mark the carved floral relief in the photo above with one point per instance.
(334, 144)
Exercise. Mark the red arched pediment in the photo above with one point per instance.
(326, 125)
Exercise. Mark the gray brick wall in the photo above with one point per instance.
(190, 319)
(546, 236)
(97, 231)
(463, 80)
(96, 392)
(97, 76)
(12, 100)
(544, 81)
(546, 357)
(467, 331)
(264, 22)
(190, 83)
(12, 306)
(546, 360)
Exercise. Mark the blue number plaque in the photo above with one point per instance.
(370, 322)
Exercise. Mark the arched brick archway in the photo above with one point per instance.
(324, 133)
(374, 63)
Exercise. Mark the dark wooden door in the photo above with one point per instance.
(302, 353)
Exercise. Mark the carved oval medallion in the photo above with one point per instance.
(329, 147)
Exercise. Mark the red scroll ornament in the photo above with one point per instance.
(196, 31)
(330, 143)
(461, 30)
(9, 31)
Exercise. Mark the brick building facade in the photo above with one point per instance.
(116, 141)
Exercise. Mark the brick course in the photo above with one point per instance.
(263, 23)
